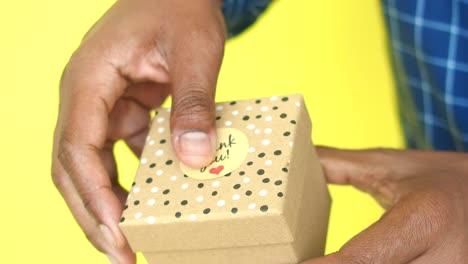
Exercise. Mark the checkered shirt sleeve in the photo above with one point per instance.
(240, 14)
(429, 50)
(429, 47)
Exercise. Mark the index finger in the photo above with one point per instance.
(88, 92)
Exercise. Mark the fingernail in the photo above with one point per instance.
(196, 147)
(108, 236)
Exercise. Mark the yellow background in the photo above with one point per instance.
(334, 52)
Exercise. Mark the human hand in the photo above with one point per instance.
(426, 197)
(137, 54)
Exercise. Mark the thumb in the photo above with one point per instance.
(400, 236)
(194, 64)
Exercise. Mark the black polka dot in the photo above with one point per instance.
(227, 175)
(152, 165)
(264, 208)
(293, 122)
(261, 172)
(133, 184)
(245, 118)
(178, 214)
(185, 176)
(283, 115)
(277, 152)
(137, 202)
(126, 207)
(241, 173)
(249, 163)
(169, 162)
(275, 107)
(261, 155)
(156, 113)
(266, 180)
(149, 180)
(284, 99)
(218, 118)
(166, 191)
(184, 202)
(236, 186)
(248, 193)
(258, 116)
(200, 185)
(214, 193)
(258, 101)
(280, 194)
(166, 202)
(278, 182)
(234, 210)
(285, 169)
(163, 141)
(207, 211)
(286, 134)
(233, 103)
(122, 219)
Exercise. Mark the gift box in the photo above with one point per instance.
(263, 199)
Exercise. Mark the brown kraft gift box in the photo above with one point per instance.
(262, 200)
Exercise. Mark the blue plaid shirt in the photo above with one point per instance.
(429, 47)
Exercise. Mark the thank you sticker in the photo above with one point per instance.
(231, 149)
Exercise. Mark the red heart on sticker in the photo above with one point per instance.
(217, 170)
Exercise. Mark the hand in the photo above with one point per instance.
(426, 197)
(129, 62)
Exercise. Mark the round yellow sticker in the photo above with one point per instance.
(231, 149)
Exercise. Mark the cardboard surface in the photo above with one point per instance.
(278, 253)
(308, 241)
(270, 196)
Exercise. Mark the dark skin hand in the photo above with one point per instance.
(137, 54)
(141, 51)
(425, 194)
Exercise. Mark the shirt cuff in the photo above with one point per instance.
(240, 14)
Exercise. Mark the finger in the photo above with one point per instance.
(96, 233)
(345, 166)
(368, 170)
(129, 121)
(88, 93)
(400, 236)
(194, 63)
(148, 95)
(142, 98)
(108, 159)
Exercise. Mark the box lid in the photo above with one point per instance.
(248, 196)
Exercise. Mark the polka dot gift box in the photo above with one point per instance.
(263, 199)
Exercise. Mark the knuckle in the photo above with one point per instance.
(87, 60)
(77, 59)
(194, 105)
(57, 177)
(64, 159)
(91, 198)
(65, 151)
(88, 201)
